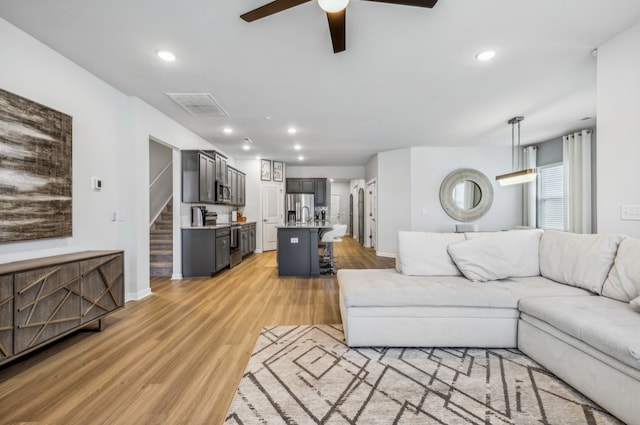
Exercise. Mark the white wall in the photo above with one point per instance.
(409, 191)
(429, 167)
(341, 173)
(618, 144)
(111, 134)
(394, 198)
(371, 169)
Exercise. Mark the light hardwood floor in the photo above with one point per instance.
(175, 357)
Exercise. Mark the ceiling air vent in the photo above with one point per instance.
(199, 104)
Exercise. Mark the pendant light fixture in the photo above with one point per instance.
(518, 176)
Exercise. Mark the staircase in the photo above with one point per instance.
(161, 243)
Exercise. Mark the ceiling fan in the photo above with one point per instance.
(336, 14)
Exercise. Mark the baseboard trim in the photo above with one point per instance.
(135, 296)
(176, 276)
(386, 254)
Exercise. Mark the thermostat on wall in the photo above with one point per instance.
(96, 183)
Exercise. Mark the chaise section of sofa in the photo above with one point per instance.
(592, 343)
(386, 308)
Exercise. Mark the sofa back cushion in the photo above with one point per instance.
(498, 255)
(425, 253)
(578, 260)
(623, 282)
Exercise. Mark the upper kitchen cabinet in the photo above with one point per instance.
(320, 192)
(236, 181)
(316, 186)
(221, 168)
(198, 177)
(241, 189)
(300, 186)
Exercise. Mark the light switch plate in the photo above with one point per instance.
(630, 212)
(96, 183)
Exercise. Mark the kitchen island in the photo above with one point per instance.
(298, 248)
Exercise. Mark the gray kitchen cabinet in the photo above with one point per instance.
(244, 240)
(223, 252)
(241, 189)
(320, 192)
(198, 177)
(252, 238)
(204, 251)
(295, 185)
(247, 239)
(233, 184)
(198, 252)
(221, 168)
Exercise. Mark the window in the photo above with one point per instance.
(551, 197)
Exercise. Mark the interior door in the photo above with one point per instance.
(272, 205)
(350, 223)
(372, 189)
(361, 216)
(335, 209)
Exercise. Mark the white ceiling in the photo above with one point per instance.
(407, 78)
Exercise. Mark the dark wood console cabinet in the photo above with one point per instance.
(44, 299)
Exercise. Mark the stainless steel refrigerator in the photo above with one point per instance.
(299, 207)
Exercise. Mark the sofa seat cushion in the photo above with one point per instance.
(578, 260)
(388, 288)
(609, 326)
(498, 256)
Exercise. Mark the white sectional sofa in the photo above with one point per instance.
(571, 302)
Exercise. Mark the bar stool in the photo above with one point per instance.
(327, 240)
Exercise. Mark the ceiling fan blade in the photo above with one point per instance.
(337, 27)
(270, 9)
(417, 3)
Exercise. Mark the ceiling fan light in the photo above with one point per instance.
(332, 6)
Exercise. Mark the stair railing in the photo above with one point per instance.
(160, 192)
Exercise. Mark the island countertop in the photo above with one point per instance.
(308, 225)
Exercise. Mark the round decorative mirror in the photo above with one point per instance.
(466, 194)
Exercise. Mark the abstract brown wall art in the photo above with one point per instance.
(35, 170)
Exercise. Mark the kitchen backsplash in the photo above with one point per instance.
(224, 212)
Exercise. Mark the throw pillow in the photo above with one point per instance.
(499, 255)
(578, 260)
(635, 303)
(623, 282)
(425, 253)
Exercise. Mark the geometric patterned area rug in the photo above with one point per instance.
(307, 375)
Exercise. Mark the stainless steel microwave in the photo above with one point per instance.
(223, 193)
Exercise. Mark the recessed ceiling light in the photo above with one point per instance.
(166, 55)
(486, 55)
(292, 130)
(246, 147)
(301, 158)
(227, 130)
(297, 147)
